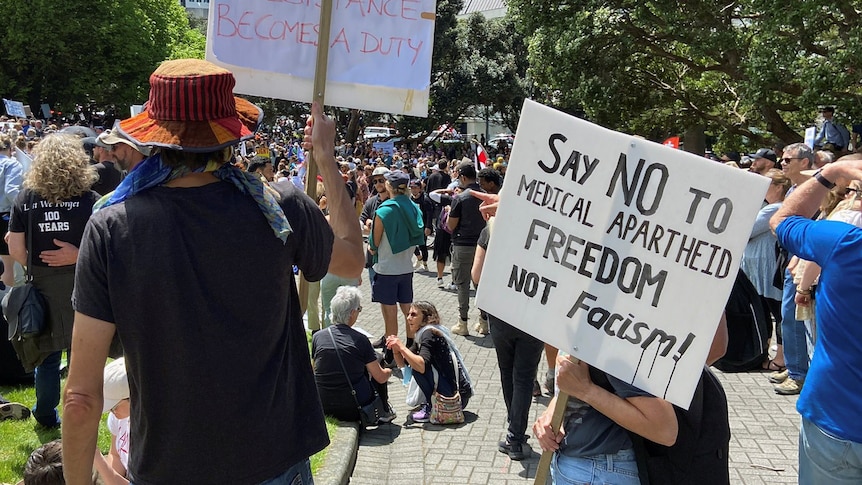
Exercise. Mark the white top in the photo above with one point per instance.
(119, 429)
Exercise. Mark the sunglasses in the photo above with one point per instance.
(788, 159)
(378, 180)
(851, 189)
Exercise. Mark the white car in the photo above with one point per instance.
(373, 132)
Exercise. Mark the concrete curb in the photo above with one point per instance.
(340, 456)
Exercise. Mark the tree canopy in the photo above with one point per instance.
(89, 53)
(752, 68)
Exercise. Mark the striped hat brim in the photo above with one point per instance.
(194, 136)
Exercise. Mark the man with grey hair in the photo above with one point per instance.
(342, 353)
(796, 158)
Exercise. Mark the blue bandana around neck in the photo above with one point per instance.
(151, 172)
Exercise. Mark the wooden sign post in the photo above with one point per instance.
(319, 96)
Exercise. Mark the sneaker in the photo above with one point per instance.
(440, 283)
(537, 389)
(514, 450)
(417, 264)
(481, 327)
(549, 380)
(13, 410)
(423, 415)
(461, 328)
(389, 416)
(779, 377)
(379, 343)
(424, 266)
(789, 387)
(451, 287)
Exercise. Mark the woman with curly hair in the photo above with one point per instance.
(45, 230)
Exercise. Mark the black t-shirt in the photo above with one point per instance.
(64, 221)
(437, 180)
(356, 352)
(204, 299)
(470, 221)
(109, 177)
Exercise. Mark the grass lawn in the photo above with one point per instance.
(19, 438)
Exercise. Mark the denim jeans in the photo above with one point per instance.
(793, 333)
(518, 355)
(825, 459)
(462, 265)
(48, 390)
(328, 286)
(619, 469)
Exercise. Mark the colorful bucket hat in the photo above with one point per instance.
(192, 108)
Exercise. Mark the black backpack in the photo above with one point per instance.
(748, 329)
(702, 443)
(699, 455)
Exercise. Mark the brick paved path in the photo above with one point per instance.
(764, 426)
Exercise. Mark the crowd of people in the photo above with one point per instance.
(129, 237)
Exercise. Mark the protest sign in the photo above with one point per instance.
(14, 108)
(385, 147)
(379, 50)
(617, 250)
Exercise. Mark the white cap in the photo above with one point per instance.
(116, 387)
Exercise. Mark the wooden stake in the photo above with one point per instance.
(544, 469)
(319, 95)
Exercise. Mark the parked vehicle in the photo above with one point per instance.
(373, 132)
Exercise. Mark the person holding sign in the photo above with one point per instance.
(830, 438)
(594, 444)
(153, 264)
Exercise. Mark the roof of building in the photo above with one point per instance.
(471, 6)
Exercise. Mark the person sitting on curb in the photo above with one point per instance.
(360, 362)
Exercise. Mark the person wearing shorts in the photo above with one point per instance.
(395, 232)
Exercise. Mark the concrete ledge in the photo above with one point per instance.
(340, 456)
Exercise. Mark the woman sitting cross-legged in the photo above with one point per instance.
(360, 362)
(431, 351)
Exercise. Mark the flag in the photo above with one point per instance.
(672, 142)
(481, 157)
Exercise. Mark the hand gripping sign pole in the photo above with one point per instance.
(319, 92)
(559, 412)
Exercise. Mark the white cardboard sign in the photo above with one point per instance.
(617, 250)
(379, 50)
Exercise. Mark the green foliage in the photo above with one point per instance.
(742, 69)
(477, 62)
(89, 53)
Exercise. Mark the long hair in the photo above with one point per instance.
(428, 311)
(61, 169)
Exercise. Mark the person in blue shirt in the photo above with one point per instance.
(831, 133)
(830, 441)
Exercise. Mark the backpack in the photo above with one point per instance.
(748, 329)
(700, 453)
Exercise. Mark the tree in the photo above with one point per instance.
(496, 62)
(89, 53)
(753, 68)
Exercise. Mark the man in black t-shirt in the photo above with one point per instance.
(205, 327)
(466, 224)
